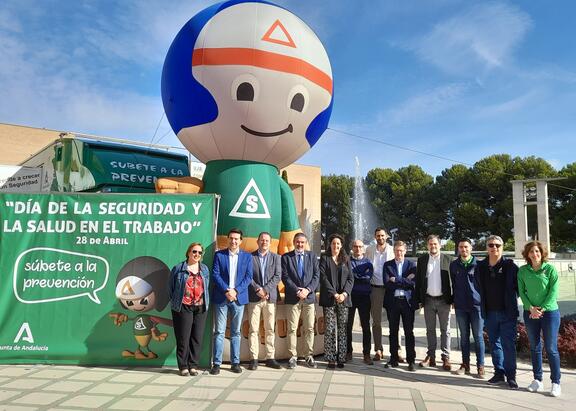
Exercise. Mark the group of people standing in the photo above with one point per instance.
(483, 294)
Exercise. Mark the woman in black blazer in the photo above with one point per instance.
(336, 282)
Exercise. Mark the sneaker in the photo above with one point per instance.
(512, 384)
(273, 364)
(536, 386)
(236, 369)
(193, 372)
(292, 363)
(184, 372)
(310, 363)
(215, 370)
(496, 379)
(556, 390)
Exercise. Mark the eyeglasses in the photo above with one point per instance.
(492, 245)
(196, 252)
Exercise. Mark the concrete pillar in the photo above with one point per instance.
(542, 212)
(520, 217)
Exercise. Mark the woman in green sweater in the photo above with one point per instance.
(538, 289)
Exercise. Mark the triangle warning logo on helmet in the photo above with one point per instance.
(278, 34)
(127, 288)
(251, 203)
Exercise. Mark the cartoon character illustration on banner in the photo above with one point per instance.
(247, 88)
(142, 286)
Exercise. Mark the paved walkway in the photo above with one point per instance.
(45, 387)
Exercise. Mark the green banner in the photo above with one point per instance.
(84, 277)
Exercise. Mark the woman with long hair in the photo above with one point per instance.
(336, 282)
(538, 289)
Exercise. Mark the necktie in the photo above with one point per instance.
(301, 266)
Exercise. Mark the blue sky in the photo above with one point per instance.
(460, 79)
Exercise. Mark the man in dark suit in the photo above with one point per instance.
(263, 293)
(231, 274)
(301, 276)
(434, 293)
(399, 279)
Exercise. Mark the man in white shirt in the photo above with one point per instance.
(434, 293)
(378, 254)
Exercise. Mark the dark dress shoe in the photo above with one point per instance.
(253, 365)
(215, 370)
(273, 364)
(411, 367)
(236, 369)
(340, 365)
(428, 362)
(331, 365)
(391, 364)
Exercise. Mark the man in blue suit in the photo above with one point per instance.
(231, 274)
(399, 275)
(301, 276)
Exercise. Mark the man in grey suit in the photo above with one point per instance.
(301, 276)
(263, 294)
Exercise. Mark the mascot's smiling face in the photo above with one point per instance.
(267, 76)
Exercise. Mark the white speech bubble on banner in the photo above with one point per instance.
(92, 295)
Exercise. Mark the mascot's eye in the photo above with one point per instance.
(297, 102)
(144, 301)
(129, 303)
(245, 92)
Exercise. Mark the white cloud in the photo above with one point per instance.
(481, 38)
(509, 106)
(424, 105)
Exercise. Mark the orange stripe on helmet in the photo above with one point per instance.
(263, 59)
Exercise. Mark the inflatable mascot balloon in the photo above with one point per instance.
(247, 88)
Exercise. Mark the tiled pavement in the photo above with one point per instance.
(45, 387)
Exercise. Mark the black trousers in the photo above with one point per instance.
(401, 310)
(362, 304)
(189, 332)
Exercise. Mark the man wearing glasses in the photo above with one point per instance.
(498, 287)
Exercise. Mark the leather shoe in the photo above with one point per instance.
(391, 364)
(428, 362)
(215, 370)
(331, 365)
(446, 364)
(368, 360)
(378, 356)
(340, 365)
(236, 369)
(411, 367)
(253, 365)
(272, 363)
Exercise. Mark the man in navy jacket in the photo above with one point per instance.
(231, 275)
(301, 276)
(399, 301)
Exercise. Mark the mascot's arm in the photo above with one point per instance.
(289, 225)
(189, 185)
(118, 318)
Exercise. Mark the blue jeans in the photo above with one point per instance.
(221, 313)
(502, 335)
(548, 324)
(466, 320)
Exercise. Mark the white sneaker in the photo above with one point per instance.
(556, 390)
(536, 386)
